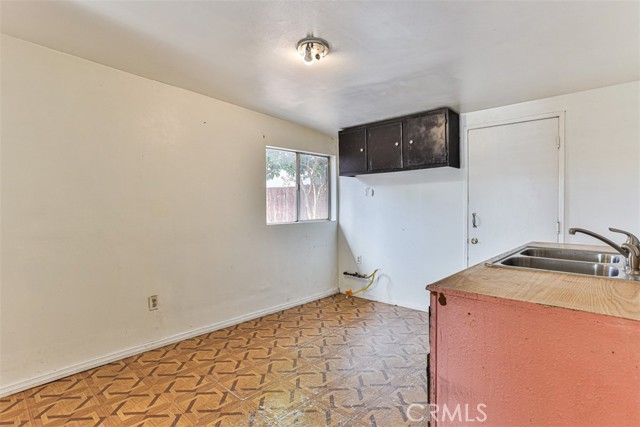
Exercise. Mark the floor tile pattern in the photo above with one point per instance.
(332, 362)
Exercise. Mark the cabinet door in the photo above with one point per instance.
(424, 141)
(384, 147)
(353, 152)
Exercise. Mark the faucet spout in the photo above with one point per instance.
(614, 245)
(629, 249)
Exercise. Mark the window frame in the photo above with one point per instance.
(298, 191)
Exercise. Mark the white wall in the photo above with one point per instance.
(413, 228)
(114, 188)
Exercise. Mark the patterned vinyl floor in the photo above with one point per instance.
(331, 362)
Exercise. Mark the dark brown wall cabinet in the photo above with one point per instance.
(418, 141)
(384, 147)
(353, 151)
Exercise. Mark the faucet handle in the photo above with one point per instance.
(632, 249)
(631, 239)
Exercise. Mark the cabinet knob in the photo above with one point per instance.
(411, 141)
(362, 150)
(474, 241)
(396, 144)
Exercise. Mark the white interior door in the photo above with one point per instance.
(513, 186)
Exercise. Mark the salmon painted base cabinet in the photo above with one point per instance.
(498, 362)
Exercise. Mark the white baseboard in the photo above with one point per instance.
(405, 304)
(6, 390)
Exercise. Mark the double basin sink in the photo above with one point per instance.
(573, 261)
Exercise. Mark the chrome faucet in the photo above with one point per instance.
(629, 249)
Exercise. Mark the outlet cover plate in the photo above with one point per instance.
(153, 302)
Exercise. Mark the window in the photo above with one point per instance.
(297, 186)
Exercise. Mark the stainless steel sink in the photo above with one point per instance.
(577, 267)
(572, 255)
(572, 261)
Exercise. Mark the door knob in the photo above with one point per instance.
(474, 241)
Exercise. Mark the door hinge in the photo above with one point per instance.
(558, 227)
(558, 141)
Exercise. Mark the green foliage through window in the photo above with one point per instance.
(297, 186)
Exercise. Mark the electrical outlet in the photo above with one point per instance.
(359, 259)
(153, 302)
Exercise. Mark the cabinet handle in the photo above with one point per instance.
(411, 141)
(362, 150)
(396, 144)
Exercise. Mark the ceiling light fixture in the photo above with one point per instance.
(312, 49)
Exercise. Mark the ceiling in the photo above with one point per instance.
(388, 58)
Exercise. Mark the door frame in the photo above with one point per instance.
(560, 115)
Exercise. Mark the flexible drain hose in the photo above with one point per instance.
(371, 277)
